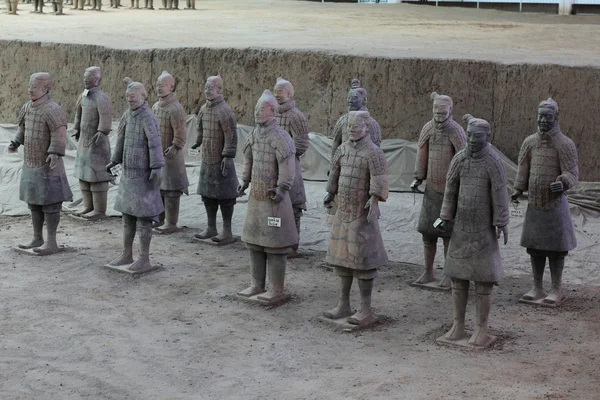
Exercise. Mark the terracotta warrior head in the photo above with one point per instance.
(213, 87)
(357, 96)
(357, 125)
(136, 93)
(479, 133)
(40, 84)
(266, 108)
(547, 115)
(165, 84)
(92, 77)
(284, 91)
(442, 107)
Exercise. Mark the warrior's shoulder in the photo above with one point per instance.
(529, 142)
(455, 129)
(425, 133)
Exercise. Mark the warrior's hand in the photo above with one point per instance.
(373, 206)
(241, 189)
(328, 201)
(13, 146)
(52, 160)
(196, 145)
(515, 195)
(556, 187)
(441, 224)
(226, 165)
(502, 230)
(277, 194)
(96, 138)
(155, 174)
(109, 166)
(171, 151)
(414, 186)
(76, 135)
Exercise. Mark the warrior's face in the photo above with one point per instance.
(134, 98)
(281, 94)
(546, 119)
(90, 80)
(476, 139)
(164, 87)
(36, 89)
(211, 91)
(357, 129)
(441, 112)
(263, 112)
(356, 100)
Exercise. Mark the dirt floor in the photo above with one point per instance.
(383, 30)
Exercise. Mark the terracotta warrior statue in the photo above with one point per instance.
(548, 166)
(357, 101)
(139, 150)
(173, 132)
(44, 186)
(217, 134)
(359, 179)
(291, 119)
(269, 230)
(440, 139)
(476, 198)
(93, 119)
(11, 6)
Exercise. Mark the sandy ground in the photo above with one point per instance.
(384, 30)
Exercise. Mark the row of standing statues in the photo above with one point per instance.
(465, 202)
(96, 5)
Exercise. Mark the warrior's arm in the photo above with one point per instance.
(448, 210)
(299, 132)
(458, 138)
(569, 165)
(155, 151)
(286, 161)
(78, 112)
(375, 131)
(199, 129)
(337, 135)
(524, 164)
(229, 128)
(117, 155)
(20, 136)
(177, 119)
(334, 174)
(247, 173)
(104, 114)
(422, 153)
(58, 141)
(499, 194)
(379, 185)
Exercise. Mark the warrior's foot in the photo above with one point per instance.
(341, 311)
(534, 294)
(225, 237)
(251, 291)
(446, 282)
(553, 297)
(480, 338)
(46, 249)
(271, 296)
(425, 278)
(167, 228)
(94, 215)
(86, 210)
(206, 234)
(457, 332)
(32, 244)
(123, 259)
(142, 264)
(363, 317)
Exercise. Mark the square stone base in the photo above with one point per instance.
(159, 231)
(125, 269)
(540, 302)
(256, 300)
(30, 252)
(344, 325)
(434, 285)
(464, 343)
(209, 241)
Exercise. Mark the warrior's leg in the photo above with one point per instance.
(276, 264)
(211, 206)
(161, 216)
(297, 216)
(176, 4)
(129, 225)
(481, 335)
(429, 247)
(365, 315)
(556, 270)
(86, 194)
(98, 5)
(37, 219)
(164, 4)
(446, 281)
(538, 263)
(81, 4)
(343, 309)
(12, 6)
(171, 214)
(142, 264)
(151, 7)
(59, 5)
(52, 220)
(193, 3)
(258, 270)
(226, 235)
(99, 191)
(41, 6)
(170, 4)
(460, 295)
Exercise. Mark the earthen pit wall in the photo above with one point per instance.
(505, 95)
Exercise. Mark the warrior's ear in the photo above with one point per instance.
(467, 117)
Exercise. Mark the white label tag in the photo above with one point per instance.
(516, 213)
(85, 92)
(193, 152)
(274, 221)
(116, 170)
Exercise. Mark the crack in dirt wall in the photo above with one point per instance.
(505, 94)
